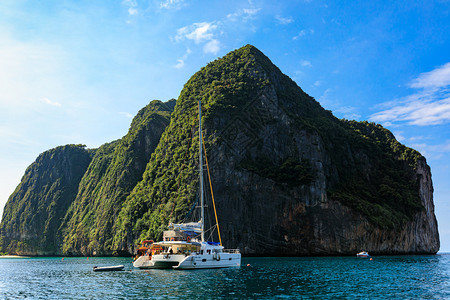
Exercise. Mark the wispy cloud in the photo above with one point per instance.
(430, 105)
(305, 63)
(50, 102)
(422, 144)
(438, 78)
(212, 46)
(303, 33)
(200, 33)
(433, 151)
(181, 61)
(172, 4)
(284, 21)
(180, 64)
(349, 112)
(126, 114)
(132, 7)
(132, 11)
(207, 34)
(244, 15)
(399, 135)
(329, 102)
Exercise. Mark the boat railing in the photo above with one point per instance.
(230, 250)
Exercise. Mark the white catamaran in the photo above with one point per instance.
(184, 245)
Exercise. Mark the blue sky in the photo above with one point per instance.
(78, 71)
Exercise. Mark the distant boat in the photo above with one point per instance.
(184, 245)
(363, 254)
(108, 268)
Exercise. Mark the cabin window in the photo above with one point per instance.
(204, 260)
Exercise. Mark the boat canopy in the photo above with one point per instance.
(178, 243)
(188, 227)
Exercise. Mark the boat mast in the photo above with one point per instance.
(201, 169)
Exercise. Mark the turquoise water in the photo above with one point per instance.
(401, 277)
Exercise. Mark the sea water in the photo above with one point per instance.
(400, 277)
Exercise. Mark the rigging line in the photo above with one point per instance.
(194, 205)
(212, 194)
(211, 232)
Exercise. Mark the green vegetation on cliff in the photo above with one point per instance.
(170, 181)
(258, 125)
(114, 172)
(380, 182)
(34, 211)
(374, 174)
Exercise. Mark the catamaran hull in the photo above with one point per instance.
(219, 260)
(158, 261)
(143, 262)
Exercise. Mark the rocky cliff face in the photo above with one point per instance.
(111, 176)
(69, 198)
(33, 213)
(390, 210)
(289, 178)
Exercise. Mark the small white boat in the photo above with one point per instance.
(363, 254)
(108, 268)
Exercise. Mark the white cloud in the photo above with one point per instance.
(132, 11)
(126, 114)
(399, 136)
(437, 78)
(284, 21)
(422, 112)
(433, 151)
(199, 33)
(245, 14)
(251, 11)
(429, 106)
(180, 64)
(348, 112)
(181, 61)
(206, 34)
(132, 7)
(329, 102)
(50, 102)
(172, 4)
(416, 138)
(303, 33)
(212, 46)
(306, 63)
(202, 32)
(325, 98)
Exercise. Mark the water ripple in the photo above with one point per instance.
(425, 277)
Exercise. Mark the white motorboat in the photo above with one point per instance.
(184, 245)
(363, 254)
